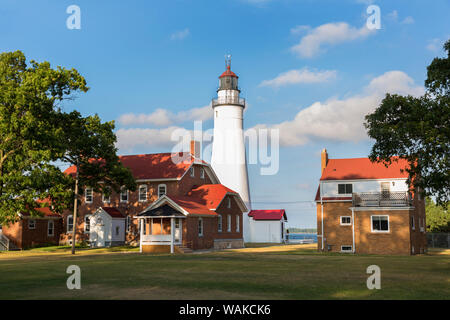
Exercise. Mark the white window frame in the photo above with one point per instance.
(87, 218)
(345, 188)
(165, 190)
(192, 171)
(238, 224)
(52, 228)
(202, 173)
(219, 223)
(421, 224)
(121, 193)
(346, 251)
(68, 224)
(128, 222)
(228, 222)
(146, 192)
(380, 231)
(200, 227)
(413, 223)
(91, 191)
(345, 224)
(106, 200)
(31, 224)
(229, 203)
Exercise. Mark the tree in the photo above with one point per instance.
(30, 98)
(418, 130)
(438, 219)
(90, 148)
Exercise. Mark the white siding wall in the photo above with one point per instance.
(121, 224)
(265, 231)
(330, 188)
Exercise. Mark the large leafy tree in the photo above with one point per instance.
(30, 99)
(418, 130)
(438, 219)
(90, 149)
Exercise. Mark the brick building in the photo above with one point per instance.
(34, 231)
(184, 179)
(365, 207)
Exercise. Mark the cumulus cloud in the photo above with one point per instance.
(326, 35)
(408, 20)
(342, 119)
(163, 117)
(299, 76)
(180, 35)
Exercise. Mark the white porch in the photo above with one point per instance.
(161, 231)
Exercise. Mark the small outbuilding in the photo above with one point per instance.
(267, 225)
(107, 227)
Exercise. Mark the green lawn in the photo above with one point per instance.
(280, 272)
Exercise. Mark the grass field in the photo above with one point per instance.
(273, 272)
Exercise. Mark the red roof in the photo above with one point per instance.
(363, 168)
(113, 212)
(267, 214)
(204, 199)
(46, 212)
(155, 166)
(228, 73)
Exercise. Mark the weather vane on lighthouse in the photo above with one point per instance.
(228, 61)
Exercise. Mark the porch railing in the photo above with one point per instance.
(382, 199)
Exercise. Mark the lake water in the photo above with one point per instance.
(303, 236)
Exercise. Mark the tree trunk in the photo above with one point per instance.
(75, 205)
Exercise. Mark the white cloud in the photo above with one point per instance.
(342, 119)
(435, 45)
(300, 29)
(163, 117)
(127, 139)
(326, 35)
(299, 76)
(180, 35)
(393, 15)
(408, 20)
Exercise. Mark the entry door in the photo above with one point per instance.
(177, 229)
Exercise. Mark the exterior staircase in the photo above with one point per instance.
(183, 249)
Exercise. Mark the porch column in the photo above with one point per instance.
(172, 233)
(141, 234)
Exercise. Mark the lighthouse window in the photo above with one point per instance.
(217, 114)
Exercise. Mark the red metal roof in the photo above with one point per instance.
(46, 212)
(363, 168)
(228, 73)
(203, 199)
(113, 212)
(267, 214)
(155, 166)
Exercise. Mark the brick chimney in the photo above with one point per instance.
(195, 149)
(324, 159)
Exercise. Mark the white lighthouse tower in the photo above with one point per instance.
(228, 151)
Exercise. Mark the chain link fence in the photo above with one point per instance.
(438, 240)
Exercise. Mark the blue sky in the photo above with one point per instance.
(308, 68)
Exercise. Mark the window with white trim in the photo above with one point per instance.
(88, 195)
(202, 173)
(117, 230)
(106, 198)
(238, 227)
(346, 220)
(192, 171)
(380, 223)
(421, 223)
(143, 192)
(200, 227)
(50, 228)
(346, 249)
(128, 221)
(219, 224)
(345, 188)
(162, 190)
(87, 223)
(124, 194)
(31, 224)
(229, 222)
(228, 203)
(413, 225)
(69, 223)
